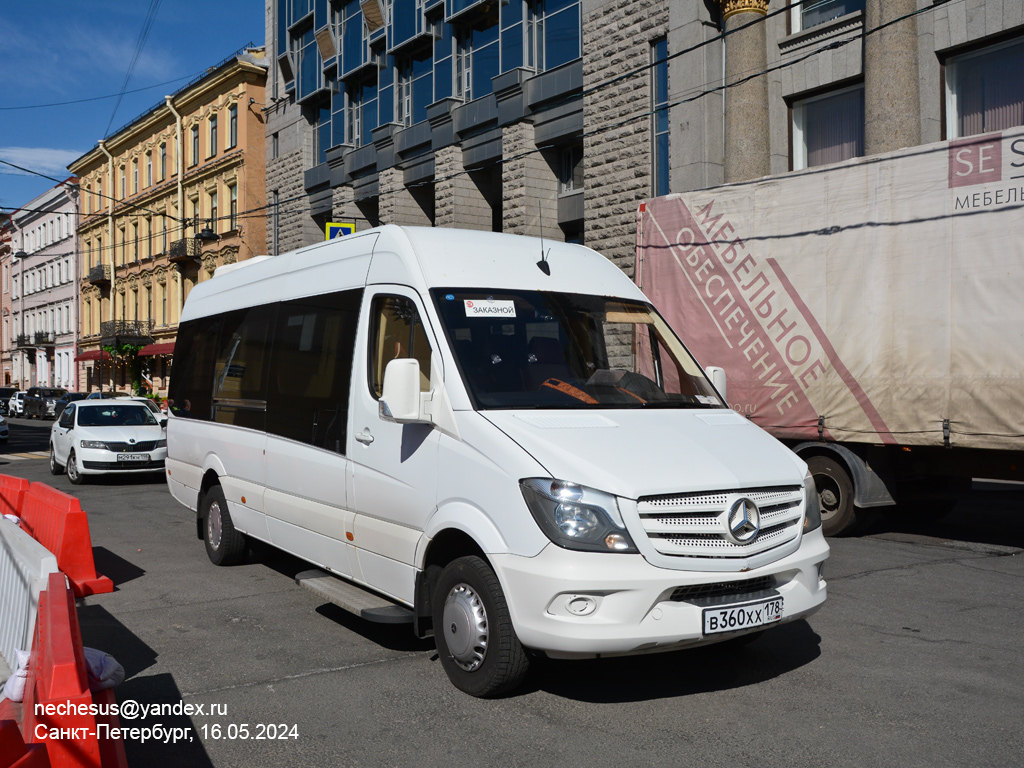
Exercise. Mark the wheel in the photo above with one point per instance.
(55, 468)
(473, 629)
(835, 495)
(74, 475)
(224, 545)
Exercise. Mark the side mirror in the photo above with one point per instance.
(717, 376)
(163, 422)
(401, 400)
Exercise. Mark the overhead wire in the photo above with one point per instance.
(147, 25)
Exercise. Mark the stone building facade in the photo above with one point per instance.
(647, 97)
(167, 199)
(41, 292)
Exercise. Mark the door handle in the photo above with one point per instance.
(364, 437)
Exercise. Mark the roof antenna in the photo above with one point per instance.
(543, 263)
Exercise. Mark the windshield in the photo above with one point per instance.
(534, 349)
(115, 415)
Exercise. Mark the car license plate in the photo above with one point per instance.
(133, 457)
(738, 617)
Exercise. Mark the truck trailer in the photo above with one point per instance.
(867, 313)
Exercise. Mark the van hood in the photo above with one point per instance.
(634, 453)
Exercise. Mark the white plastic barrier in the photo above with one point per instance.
(25, 566)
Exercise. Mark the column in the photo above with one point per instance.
(892, 106)
(746, 103)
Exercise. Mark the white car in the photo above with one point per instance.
(5, 431)
(106, 436)
(15, 406)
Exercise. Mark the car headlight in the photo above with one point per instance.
(576, 517)
(812, 519)
(161, 443)
(94, 444)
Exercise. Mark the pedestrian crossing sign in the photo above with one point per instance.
(339, 229)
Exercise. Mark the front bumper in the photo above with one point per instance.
(95, 461)
(634, 611)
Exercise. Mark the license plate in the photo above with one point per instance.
(735, 618)
(133, 457)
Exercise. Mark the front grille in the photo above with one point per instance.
(727, 591)
(123, 464)
(693, 524)
(148, 445)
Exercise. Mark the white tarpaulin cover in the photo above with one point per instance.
(885, 294)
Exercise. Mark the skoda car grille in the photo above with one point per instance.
(696, 525)
(148, 445)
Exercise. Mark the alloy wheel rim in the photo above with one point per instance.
(214, 527)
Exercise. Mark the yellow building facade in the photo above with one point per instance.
(165, 201)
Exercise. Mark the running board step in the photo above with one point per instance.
(353, 598)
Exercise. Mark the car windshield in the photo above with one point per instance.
(115, 415)
(538, 349)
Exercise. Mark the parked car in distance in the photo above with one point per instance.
(5, 396)
(41, 401)
(106, 395)
(5, 430)
(63, 400)
(145, 401)
(15, 405)
(106, 436)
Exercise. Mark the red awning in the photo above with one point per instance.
(92, 354)
(163, 348)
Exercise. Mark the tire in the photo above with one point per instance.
(475, 639)
(224, 545)
(74, 475)
(55, 468)
(839, 517)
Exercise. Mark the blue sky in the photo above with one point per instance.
(57, 51)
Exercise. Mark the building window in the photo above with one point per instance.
(149, 169)
(163, 161)
(195, 144)
(985, 90)
(135, 177)
(214, 224)
(233, 207)
(571, 171)
(659, 121)
(828, 128)
(232, 126)
(135, 241)
(403, 94)
(124, 184)
(811, 13)
(275, 148)
(213, 135)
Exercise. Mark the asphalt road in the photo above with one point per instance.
(915, 660)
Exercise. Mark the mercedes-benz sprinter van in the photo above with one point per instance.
(496, 436)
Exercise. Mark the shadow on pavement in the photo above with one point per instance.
(161, 689)
(102, 631)
(115, 567)
(719, 667)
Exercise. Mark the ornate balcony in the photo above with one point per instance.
(24, 340)
(136, 332)
(185, 250)
(99, 275)
(44, 339)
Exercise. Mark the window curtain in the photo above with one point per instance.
(834, 128)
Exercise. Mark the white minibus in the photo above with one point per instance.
(493, 437)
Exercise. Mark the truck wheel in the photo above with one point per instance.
(835, 495)
(224, 545)
(475, 639)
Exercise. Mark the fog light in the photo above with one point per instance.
(581, 605)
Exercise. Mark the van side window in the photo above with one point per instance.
(241, 366)
(308, 392)
(194, 353)
(397, 333)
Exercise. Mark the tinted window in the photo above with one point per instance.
(241, 364)
(68, 417)
(397, 333)
(115, 415)
(308, 392)
(192, 378)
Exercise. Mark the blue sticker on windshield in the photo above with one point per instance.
(450, 297)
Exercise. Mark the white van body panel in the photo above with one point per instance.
(655, 452)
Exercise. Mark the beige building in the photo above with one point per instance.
(165, 200)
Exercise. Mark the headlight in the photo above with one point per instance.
(576, 517)
(812, 519)
(161, 443)
(94, 444)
